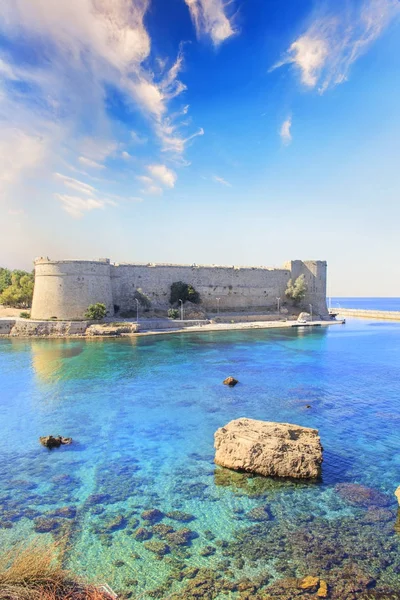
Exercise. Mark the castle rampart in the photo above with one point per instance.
(64, 289)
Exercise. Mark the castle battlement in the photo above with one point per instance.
(65, 288)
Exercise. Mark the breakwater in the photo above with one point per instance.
(366, 314)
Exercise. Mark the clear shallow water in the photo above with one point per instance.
(367, 303)
(143, 411)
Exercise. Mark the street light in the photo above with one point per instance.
(279, 304)
(218, 299)
(181, 309)
(310, 305)
(137, 310)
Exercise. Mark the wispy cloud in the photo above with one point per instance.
(326, 51)
(284, 132)
(88, 162)
(221, 180)
(75, 184)
(210, 18)
(76, 206)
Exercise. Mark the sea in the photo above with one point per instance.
(137, 502)
(392, 304)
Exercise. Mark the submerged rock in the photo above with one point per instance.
(158, 548)
(231, 381)
(50, 441)
(361, 495)
(152, 516)
(268, 448)
(397, 494)
(178, 515)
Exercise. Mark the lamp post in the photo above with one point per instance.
(137, 310)
(310, 305)
(181, 309)
(279, 304)
(218, 299)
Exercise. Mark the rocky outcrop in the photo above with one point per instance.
(50, 441)
(397, 494)
(268, 448)
(231, 381)
(111, 329)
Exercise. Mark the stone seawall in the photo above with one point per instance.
(366, 314)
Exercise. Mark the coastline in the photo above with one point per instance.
(22, 328)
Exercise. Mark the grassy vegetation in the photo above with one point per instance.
(33, 572)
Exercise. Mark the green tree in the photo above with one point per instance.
(96, 312)
(296, 291)
(173, 313)
(20, 291)
(5, 279)
(185, 292)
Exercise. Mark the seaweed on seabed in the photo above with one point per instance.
(34, 572)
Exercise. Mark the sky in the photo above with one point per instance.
(237, 132)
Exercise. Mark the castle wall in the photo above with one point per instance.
(64, 289)
(237, 288)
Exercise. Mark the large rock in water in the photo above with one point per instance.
(268, 448)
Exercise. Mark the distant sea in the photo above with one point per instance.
(367, 303)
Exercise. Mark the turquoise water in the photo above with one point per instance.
(142, 413)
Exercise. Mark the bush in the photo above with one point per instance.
(185, 292)
(143, 300)
(296, 291)
(33, 572)
(173, 313)
(96, 311)
(24, 315)
(16, 288)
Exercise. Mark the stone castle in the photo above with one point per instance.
(65, 288)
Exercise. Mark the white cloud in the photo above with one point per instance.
(210, 18)
(88, 162)
(221, 180)
(163, 174)
(325, 53)
(76, 206)
(284, 132)
(76, 185)
(125, 155)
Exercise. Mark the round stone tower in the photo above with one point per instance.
(65, 288)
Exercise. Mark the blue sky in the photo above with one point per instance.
(237, 132)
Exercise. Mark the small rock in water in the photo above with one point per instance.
(231, 381)
(50, 441)
(397, 494)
